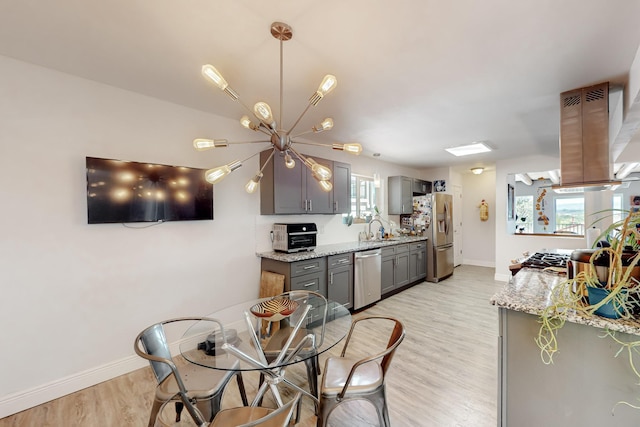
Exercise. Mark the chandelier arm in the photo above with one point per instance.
(253, 155)
(299, 118)
(265, 131)
(246, 107)
(314, 143)
(267, 162)
(302, 158)
(249, 142)
(281, 84)
(303, 133)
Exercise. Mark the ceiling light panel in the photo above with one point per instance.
(466, 150)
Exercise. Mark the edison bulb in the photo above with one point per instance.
(289, 162)
(251, 186)
(210, 72)
(328, 84)
(263, 112)
(326, 186)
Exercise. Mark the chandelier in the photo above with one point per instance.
(281, 140)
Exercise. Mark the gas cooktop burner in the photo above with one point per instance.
(546, 259)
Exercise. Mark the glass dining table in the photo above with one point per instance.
(244, 341)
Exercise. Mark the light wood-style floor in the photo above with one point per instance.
(444, 374)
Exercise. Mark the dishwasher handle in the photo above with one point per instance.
(369, 254)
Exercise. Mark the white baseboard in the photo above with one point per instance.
(479, 263)
(501, 277)
(17, 402)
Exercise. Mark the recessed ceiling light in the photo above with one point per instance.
(465, 150)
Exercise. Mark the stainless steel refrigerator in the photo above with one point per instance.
(440, 231)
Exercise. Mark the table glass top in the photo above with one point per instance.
(204, 342)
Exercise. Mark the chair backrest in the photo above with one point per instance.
(151, 344)
(395, 338)
(303, 297)
(154, 343)
(246, 416)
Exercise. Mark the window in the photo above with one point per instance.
(524, 214)
(363, 196)
(570, 214)
(617, 206)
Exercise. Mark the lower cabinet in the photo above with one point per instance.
(340, 279)
(417, 261)
(307, 275)
(332, 276)
(395, 268)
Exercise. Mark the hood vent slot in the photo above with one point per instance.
(584, 137)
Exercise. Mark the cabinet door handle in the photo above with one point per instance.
(331, 278)
(335, 206)
(306, 285)
(308, 267)
(310, 205)
(343, 261)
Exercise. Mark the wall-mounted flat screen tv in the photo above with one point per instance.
(122, 191)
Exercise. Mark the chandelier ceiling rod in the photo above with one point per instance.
(279, 138)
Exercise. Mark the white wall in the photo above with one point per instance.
(479, 240)
(74, 296)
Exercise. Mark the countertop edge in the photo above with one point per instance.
(338, 248)
(529, 294)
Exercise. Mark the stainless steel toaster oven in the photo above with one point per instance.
(294, 237)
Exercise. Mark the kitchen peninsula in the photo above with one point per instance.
(585, 381)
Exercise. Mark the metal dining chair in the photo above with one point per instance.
(348, 378)
(244, 416)
(188, 383)
(317, 317)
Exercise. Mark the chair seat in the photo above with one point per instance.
(200, 382)
(368, 377)
(238, 416)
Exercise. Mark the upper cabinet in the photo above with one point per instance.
(295, 191)
(341, 188)
(401, 191)
(421, 187)
(400, 195)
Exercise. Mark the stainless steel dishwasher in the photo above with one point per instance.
(367, 278)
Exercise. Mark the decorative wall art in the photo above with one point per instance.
(439, 186)
(511, 204)
(541, 202)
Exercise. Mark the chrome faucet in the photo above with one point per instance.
(369, 235)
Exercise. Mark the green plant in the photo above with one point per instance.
(569, 296)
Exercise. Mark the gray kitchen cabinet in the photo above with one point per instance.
(341, 188)
(420, 187)
(309, 274)
(306, 275)
(340, 279)
(400, 195)
(317, 201)
(296, 191)
(417, 261)
(387, 270)
(395, 268)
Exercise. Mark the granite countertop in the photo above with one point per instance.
(339, 248)
(529, 292)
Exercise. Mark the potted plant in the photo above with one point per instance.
(606, 287)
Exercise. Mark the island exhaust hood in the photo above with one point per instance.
(584, 140)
